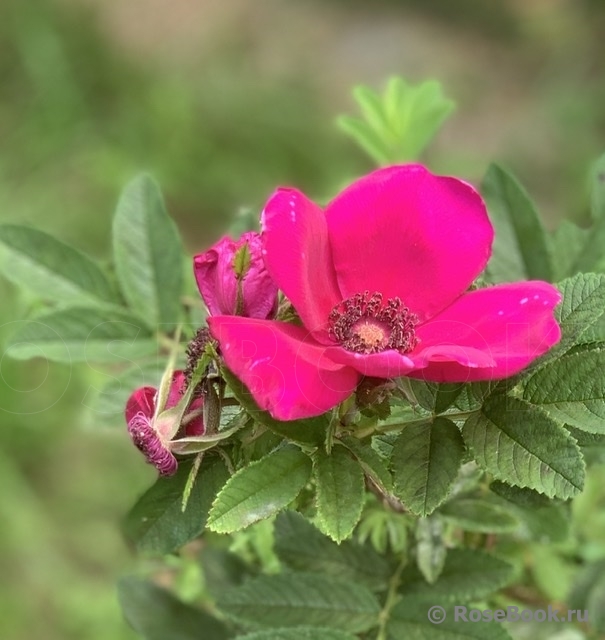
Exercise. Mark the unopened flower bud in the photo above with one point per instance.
(233, 280)
(148, 430)
(149, 443)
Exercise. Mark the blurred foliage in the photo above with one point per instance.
(78, 120)
(78, 117)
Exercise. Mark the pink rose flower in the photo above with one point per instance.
(380, 280)
(218, 282)
(140, 417)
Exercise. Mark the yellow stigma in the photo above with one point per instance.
(371, 334)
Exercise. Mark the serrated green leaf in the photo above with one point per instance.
(572, 390)
(521, 247)
(409, 620)
(51, 269)
(148, 254)
(309, 431)
(425, 462)
(480, 514)
(592, 445)
(260, 490)
(299, 633)
(474, 394)
(468, 574)
(522, 497)
(519, 444)
(157, 524)
(582, 307)
(299, 545)
(156, 614)
(82, 335)
(372, 464)
(339, 492)
(295, 599)
(435, 397)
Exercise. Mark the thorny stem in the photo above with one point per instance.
(383, 616)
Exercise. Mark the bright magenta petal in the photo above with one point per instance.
(386, 364)
(405, 232)
(141, 401)
(510, 324)
(391, 364)
(298, 256)
(287, 372)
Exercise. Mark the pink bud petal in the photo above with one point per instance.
(218, 284)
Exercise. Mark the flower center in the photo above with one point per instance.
(147, 441)
(364, 324)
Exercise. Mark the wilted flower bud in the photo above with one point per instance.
(148, 436)
(233, 280)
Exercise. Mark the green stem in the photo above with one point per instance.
(392, 596)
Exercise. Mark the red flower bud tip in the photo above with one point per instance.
(233, 280)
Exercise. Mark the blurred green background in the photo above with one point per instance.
(223, 101)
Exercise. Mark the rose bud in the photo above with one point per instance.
(233, 280)
(146, 430)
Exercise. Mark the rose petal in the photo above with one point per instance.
(298, 257)
(142, 400)
(405, 232)
(386, 364)
(260, 290)
(392, 364)
(215, 278)
(286, 371)
(511, 324)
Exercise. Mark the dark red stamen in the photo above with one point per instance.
(147, 441)
(362, 323)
